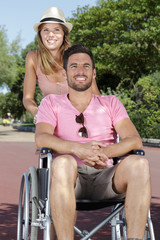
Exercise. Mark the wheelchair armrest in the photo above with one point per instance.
(139, 152)
(44, 150)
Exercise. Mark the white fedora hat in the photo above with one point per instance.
(53, 15)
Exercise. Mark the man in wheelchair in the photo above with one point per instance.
(81, 129)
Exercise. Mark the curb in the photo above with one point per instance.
(148, 142)
(24, 129)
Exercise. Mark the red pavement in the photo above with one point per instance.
(16, 157)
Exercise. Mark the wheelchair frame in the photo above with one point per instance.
(34, 207)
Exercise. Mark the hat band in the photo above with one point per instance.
(52, 19)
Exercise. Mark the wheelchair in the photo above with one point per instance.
(34, 220)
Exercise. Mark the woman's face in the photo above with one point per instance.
(52, 35)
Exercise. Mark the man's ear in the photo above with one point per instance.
(94, 73)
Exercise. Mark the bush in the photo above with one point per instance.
(28, 117)
(143, 104)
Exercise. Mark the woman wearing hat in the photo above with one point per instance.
(44, 65)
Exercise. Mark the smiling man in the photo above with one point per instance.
(80, 72)
(82, 129)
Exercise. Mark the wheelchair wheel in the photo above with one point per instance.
(27, 211)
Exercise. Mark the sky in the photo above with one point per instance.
(19, 16)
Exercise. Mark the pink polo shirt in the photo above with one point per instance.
(102, 113)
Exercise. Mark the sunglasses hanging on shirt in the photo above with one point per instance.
(82, 131)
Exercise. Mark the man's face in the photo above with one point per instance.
(80, 71)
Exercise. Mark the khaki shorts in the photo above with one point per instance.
(95, 184)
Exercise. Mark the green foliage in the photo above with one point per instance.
(15, 47)
(31, 46)
(28, 117)
(12, 101)
(124, 36)
(143, 104)
(147, 98)
(7, 61)
(10, 104)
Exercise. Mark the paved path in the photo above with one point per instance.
(8, 134)
(17, 153)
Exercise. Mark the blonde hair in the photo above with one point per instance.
(48, 64)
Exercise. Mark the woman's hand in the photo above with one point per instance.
(35, 119)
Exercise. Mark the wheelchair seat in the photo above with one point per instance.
(86, 204)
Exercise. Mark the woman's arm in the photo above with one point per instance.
(30, 83)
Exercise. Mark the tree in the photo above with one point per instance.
(31, 46)
(12, 101)
(147, 111)
(17, 88)
(143, 104)
(124, 36)
(7, 61)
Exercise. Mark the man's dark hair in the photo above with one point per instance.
(79, 48)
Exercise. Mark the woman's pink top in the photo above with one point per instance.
(50, 87)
